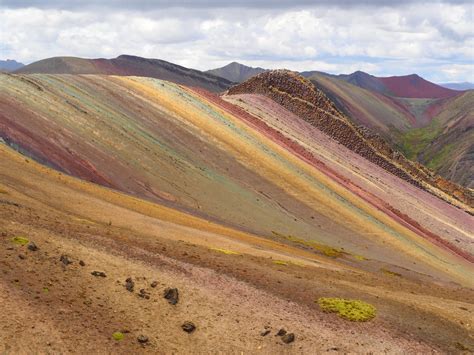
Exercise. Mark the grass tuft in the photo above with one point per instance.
(280, 262)
(20, 241)
(353, 310)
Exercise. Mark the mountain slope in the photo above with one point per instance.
(128, 65)
(410, 124)
(446, 145)
(301, 97)
(10, 65)
(368, 108)
(236, 72)
(158, 141)
(366, 81)
(125, 237)
(248, 208)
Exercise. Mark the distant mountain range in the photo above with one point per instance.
(10, 65)
(409, 86)
(236, 72)
(127, 65)
(459, 86)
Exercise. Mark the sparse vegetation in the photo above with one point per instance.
(391, 273)
(414, 141)
(324, 249)
(280, 262)
(437, 161)
(20, 240)
(360, 257)
(225, 251)
(353, 310)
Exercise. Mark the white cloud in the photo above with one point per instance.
(434, 40)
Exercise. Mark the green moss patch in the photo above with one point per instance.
(353, 310)
(280, 262)
(118, 336)
(20, 241)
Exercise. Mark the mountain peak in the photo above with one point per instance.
(236, 72)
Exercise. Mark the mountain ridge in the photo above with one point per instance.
(128, 65)
(301, 97)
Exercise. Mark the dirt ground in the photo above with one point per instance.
(50, 307)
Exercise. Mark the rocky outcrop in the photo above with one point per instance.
(301, 97)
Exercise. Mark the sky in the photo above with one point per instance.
(434, 39)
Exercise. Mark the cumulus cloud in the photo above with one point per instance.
(435, 40)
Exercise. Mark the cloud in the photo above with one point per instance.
(160, 4)
(436, 41)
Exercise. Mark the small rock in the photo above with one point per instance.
(22, 257)
(32, 246)
(265, 332)
(288, 338)
(98, 273)
(142, 339)
(172, 295)
(144, 294)
(188, 327)
(129, 284)
(281, 332)
(154, 284)
(82, 263)
(65, 260)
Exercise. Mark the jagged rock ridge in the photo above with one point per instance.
(300, 96)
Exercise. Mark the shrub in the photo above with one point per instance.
(353, 310)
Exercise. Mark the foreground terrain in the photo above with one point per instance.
(250, 204)
(232, 285)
